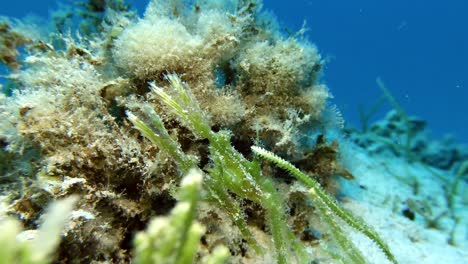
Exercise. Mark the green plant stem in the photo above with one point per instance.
(327, 200)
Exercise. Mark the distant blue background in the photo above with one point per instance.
(418, 47)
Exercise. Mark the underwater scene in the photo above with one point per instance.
(233, 131)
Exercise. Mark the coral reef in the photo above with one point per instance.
(202, 82)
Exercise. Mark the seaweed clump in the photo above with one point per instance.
(201, 82)
(10, 42)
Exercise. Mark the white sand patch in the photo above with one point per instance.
(379, 194)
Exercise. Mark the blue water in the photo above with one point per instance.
(419, 48)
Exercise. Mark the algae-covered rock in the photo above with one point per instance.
(202, 82)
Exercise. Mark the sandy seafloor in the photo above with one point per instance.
(378, 196)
